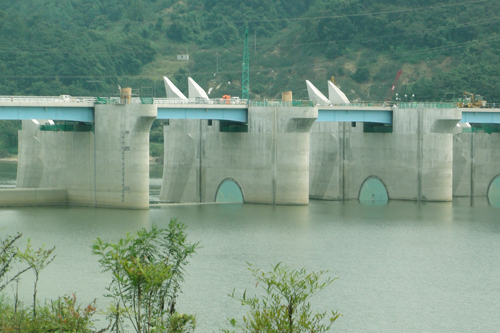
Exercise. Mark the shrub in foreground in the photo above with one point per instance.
(147, 270)
(62, 315)
(284, 305)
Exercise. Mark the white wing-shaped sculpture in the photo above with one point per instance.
(172, 90)
(195, 91)
(315, 95)
(336, 96)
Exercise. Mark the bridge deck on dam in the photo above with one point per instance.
(66, 113)
(81, 109)
(238, 113)
(355, 114)
(480, 116)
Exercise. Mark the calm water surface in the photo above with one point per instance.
(402, 267)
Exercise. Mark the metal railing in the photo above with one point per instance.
(400, 105)
(426, 105)
(279, 103)
(364, 104)
(118, 100)
(47, 99)
(221, 101)
(216, 101)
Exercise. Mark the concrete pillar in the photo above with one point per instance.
(476, 161)
(122, 155)
(436, 167)
(183, 141)
(327, 160)
(291, 160)
(108, 168)
(30, 164)
(414, 161)
(270, 162)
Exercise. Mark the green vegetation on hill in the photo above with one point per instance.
(90, 47)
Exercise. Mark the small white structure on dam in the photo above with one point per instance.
(196, 92)
(315, 95)
(335, 95)
(172, 91)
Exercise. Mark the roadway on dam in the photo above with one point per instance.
(81, 109)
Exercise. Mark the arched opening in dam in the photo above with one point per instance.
(373, 192)
(229, 191)
(494, 192)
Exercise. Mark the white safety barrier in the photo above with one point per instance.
(47, 99)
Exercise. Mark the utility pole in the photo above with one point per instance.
(217, 70)
(245, 79)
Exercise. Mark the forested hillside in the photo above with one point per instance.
(89, 47)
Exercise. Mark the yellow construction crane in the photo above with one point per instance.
(470, 102)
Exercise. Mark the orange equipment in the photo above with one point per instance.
(227, 98)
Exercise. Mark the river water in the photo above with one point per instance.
(402, 267)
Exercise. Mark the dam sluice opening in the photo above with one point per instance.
(229, 192)
(373, 192)
(494, 192)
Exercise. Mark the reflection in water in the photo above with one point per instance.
(373, 192)
(229, 191)
(494, 192)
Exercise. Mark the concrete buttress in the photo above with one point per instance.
(105, 168)
(414, 161)
(476, 162)
(270, 162)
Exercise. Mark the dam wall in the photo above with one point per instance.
(268, 159)
(476, 163)
(413, 160)
(281, 156)
(106, 167)
(57, 160)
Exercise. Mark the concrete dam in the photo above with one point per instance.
(281, 152)
(286, 157)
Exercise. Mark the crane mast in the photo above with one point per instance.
(245, 80)
(391, 92)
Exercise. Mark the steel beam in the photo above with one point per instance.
(233, 114)
(81, 114)
(365, 116)
(480, 117)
